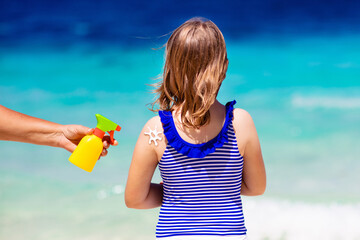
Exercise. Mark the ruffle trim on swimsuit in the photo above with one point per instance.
(195, 150)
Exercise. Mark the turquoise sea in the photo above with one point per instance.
(302, 92)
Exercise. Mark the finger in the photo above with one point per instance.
(115, 143)
(80, 129)
(70, 147)
(106, 138)
(90, 131)
(106, 144)
(104, 152)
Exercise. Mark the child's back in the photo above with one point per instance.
(202, 183)
(207, 153)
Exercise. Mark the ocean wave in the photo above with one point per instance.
(271, 219)
(325, 102)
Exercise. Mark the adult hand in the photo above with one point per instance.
(71, 135)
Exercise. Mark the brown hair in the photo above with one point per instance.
(195, 66)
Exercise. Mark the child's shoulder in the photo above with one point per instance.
(154, 122)
(241, 115)
(153, 135)
(243, 122)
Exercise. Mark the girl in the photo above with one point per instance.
(208, 154)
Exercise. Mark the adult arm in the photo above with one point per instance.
(15, 126)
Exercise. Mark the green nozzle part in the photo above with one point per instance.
(105, 124)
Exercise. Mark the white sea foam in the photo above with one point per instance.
(325, 102)
(271, 219)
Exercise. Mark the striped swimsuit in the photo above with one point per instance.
(202, 184)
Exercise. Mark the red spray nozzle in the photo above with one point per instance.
(111, 133)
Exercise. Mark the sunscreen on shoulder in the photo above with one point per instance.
(153, 135)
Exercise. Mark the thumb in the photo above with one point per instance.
(90, 131)
(82, 130)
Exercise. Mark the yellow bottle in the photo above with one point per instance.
(90, 147)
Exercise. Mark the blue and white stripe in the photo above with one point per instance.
(202, 195)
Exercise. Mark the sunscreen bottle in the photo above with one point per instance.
(90, 147)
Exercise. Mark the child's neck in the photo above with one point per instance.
(206, 132)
